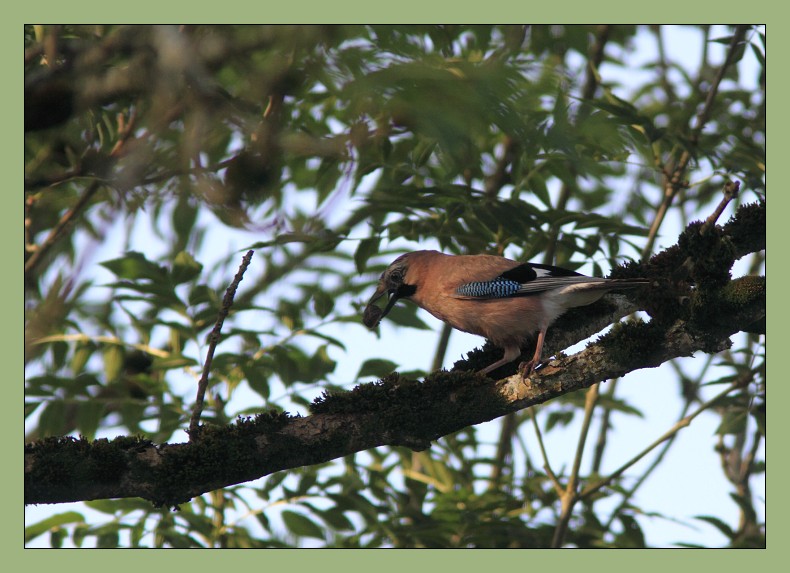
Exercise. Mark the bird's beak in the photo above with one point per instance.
(373, 314)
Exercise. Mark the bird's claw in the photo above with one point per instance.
(526, 368)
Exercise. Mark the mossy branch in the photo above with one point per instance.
(395, 411)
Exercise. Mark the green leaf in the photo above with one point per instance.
(287, 363)
(376, 367)
(632, 535)
(718, 524)
(558, 418)
(31, 407)
(184, 217)
(322, 303)
(178, 540)
(108, 506)
(330, 339)
(733, 421)
(758, 54)
(113, 362)
(52, 418)
(334, 518)
(80, 533)
(366, 249)
(203, 294)
(301, 525)
(618, 405)
(52, 522)
(81, 355)
(172, 361)
(134, 266)
(185, 268)
(56, 537)
(89, 415)
(406, 315)
(257, 377)
(725, 40)
(163, 293)
(319, 365)
(59, 352)
(758, 413)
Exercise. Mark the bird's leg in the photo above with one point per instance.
(526, 368)
(511, 353)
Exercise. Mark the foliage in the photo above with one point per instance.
(154, 155)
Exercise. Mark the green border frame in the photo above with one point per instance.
(357, 11)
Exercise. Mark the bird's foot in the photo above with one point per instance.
(526, 368)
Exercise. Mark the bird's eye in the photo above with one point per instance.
(396, 276)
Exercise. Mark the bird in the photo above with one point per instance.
(503, 300)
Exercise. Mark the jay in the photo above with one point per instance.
(503, 300)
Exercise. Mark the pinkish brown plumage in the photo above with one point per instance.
(503, 300)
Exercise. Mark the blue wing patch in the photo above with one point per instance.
(497, 288)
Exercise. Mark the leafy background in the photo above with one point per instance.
(330, 150)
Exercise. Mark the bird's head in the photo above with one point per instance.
(394, 283)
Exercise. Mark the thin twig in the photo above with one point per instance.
(125, 129)
(213, 337)
(748, 517)
(546, 465)
(663, 66)
(570, 497)
(594, 61)
(730, 192)
(747, 464)
(673, 182)
(704, 114)
(500, 177)
(680, 424)
(600, 443)
(628, 494)
(504, 449)
(61, 228)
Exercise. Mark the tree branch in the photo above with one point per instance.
(396, 411)
(213, 337)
